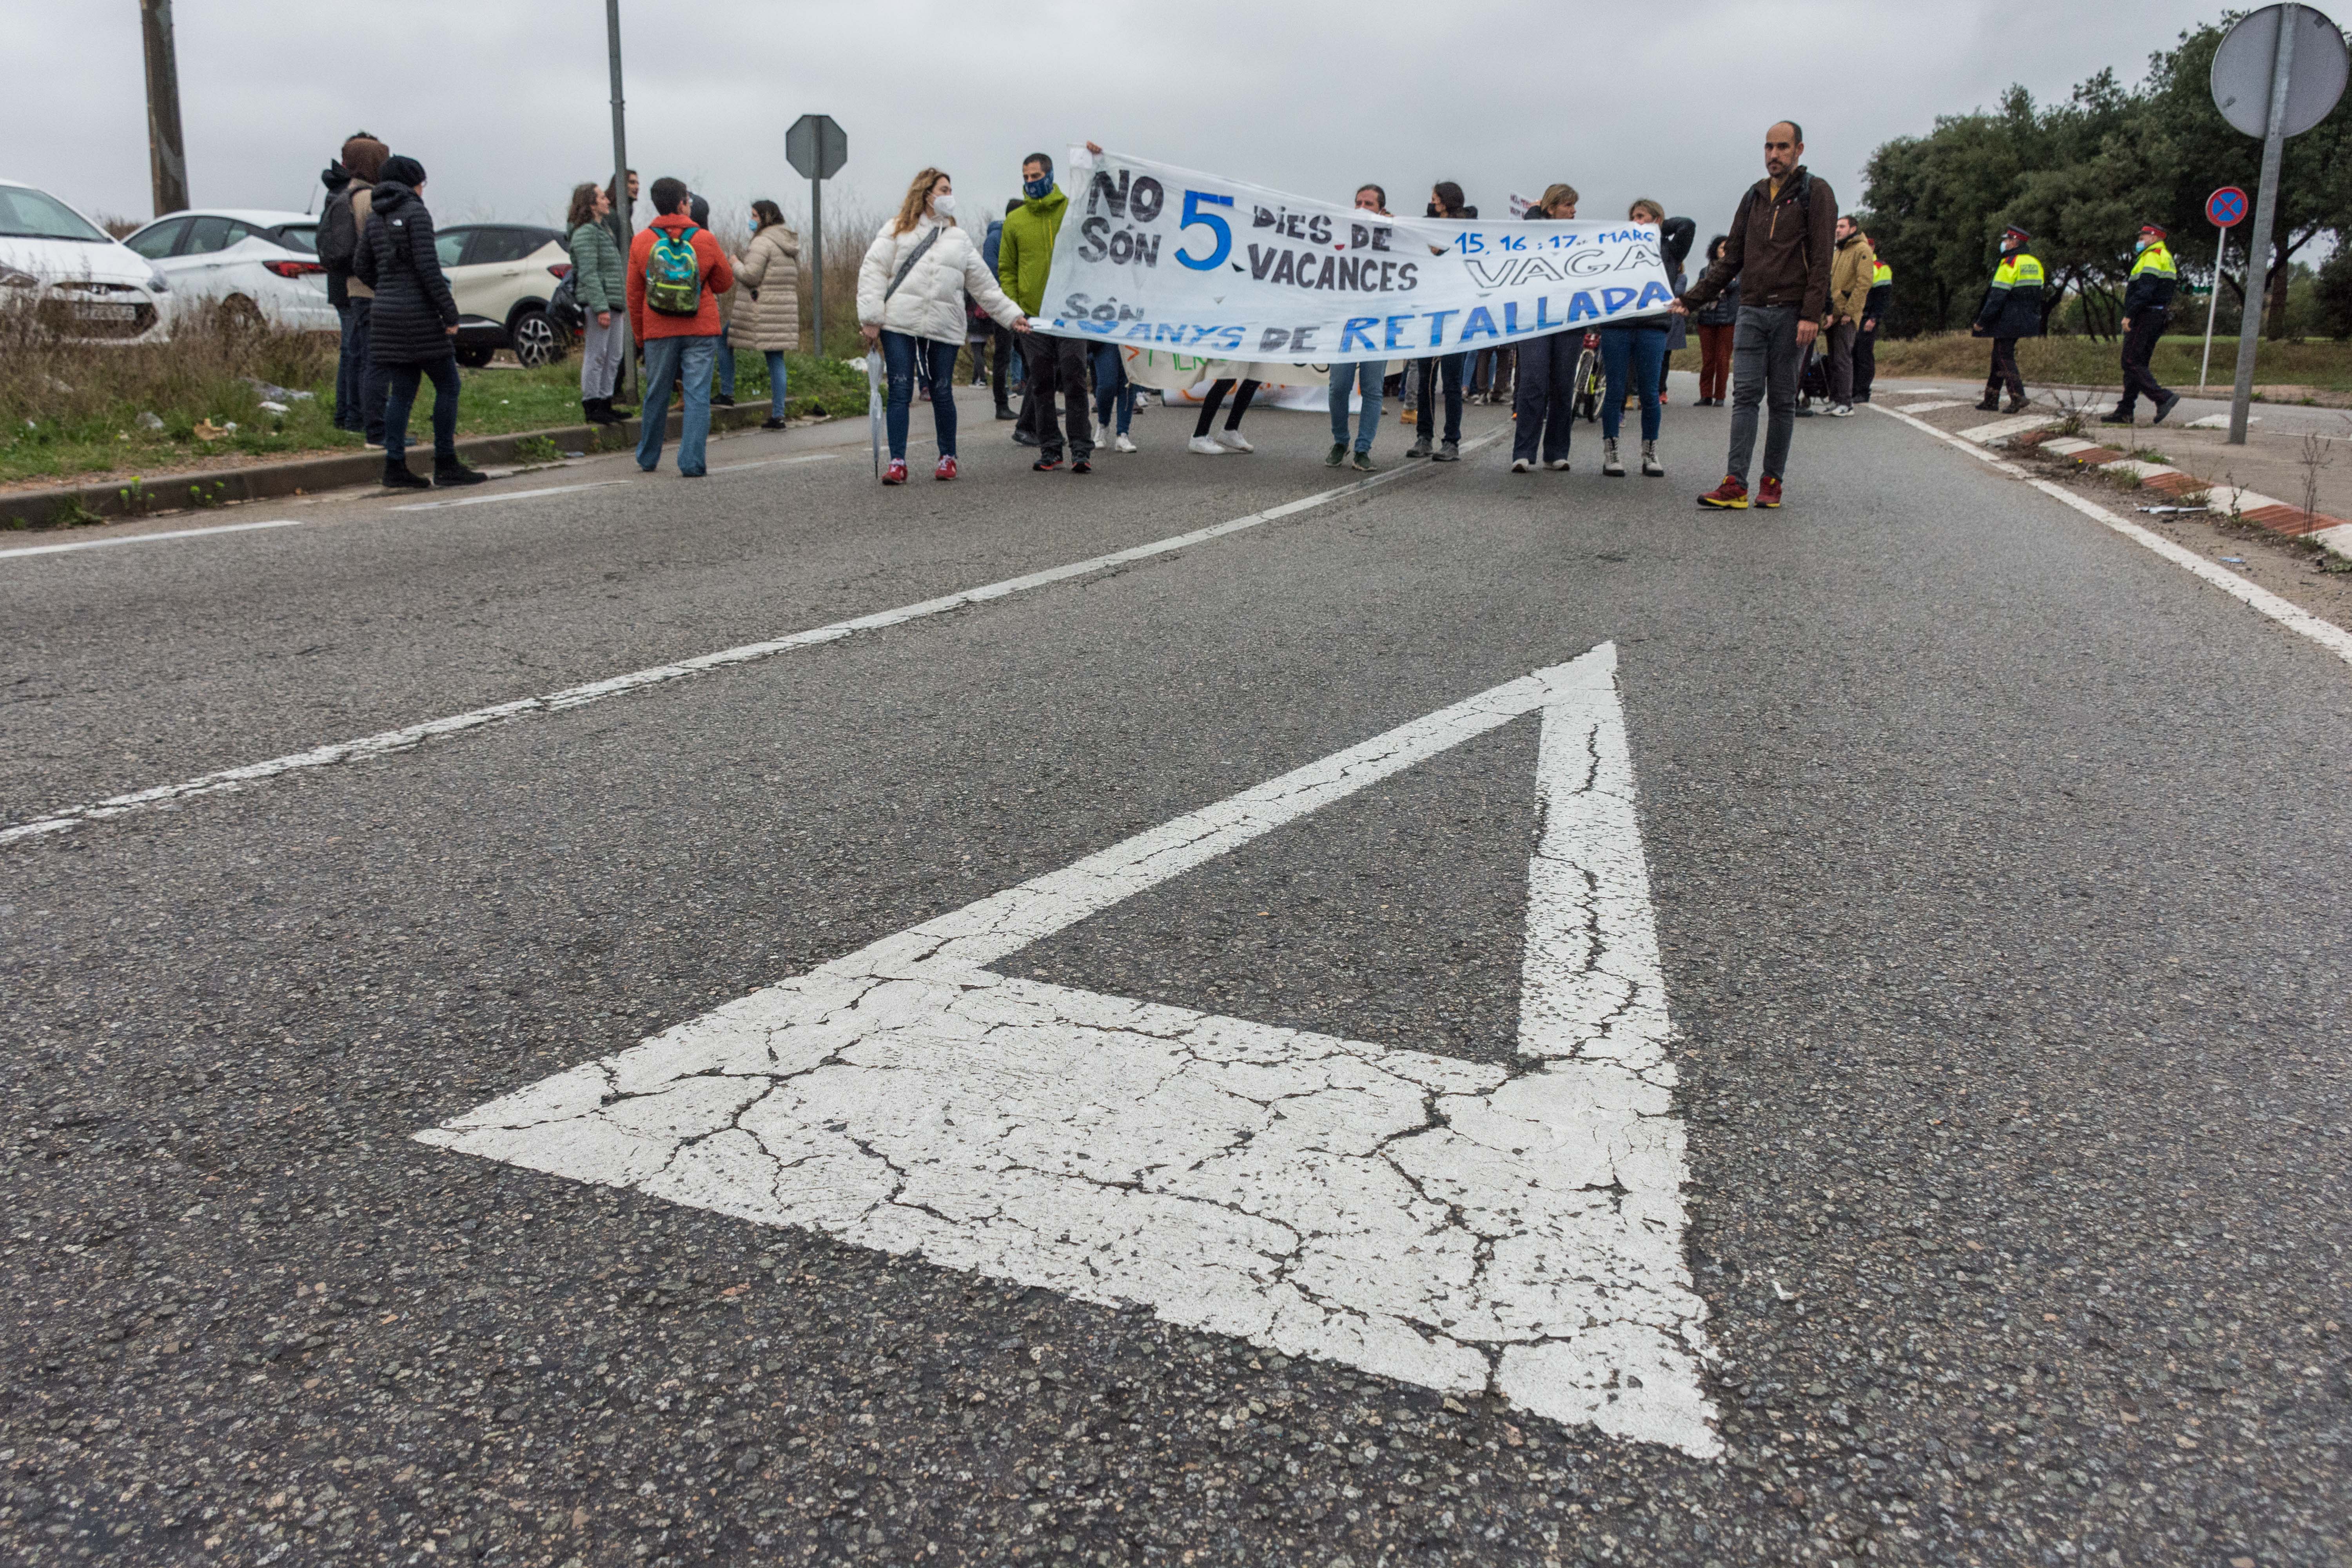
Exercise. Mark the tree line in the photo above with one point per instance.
(2081, 176)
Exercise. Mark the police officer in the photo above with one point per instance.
(2011, 309)
(1874, 311)
(2148, 307)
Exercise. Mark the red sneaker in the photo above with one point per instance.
(1730, 496)
(947, 468)
(1768, 492)
(895, 474)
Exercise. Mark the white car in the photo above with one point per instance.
(255, 263)
(84, 282)
(502, 276)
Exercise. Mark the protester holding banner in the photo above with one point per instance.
(1348, 375)
(1024, 256)
(1546, 407)
(1635, 349)
(1446, 201)
(910, 290)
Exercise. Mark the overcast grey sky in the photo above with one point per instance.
(505, 101)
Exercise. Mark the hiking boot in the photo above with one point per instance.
(1082, 466)
(1420, 448)
(1004, 410)
(2115, 416)
(588, 410)
(1022, 438)
(1045, 465)
(721, 400)
(947, 468)
(1610, 467)
(1206, 446)
(396, 477)
(1232, 440)
(1448, 452)
(1363, 461)
(1335, 456)
(1768, 493)
(1651, 468)
(1122, 442)
(1730, 496)
(772, 423)
(2171, 401)
(895, 474)
(455, 472)
(1991, 403)
(2018, 405)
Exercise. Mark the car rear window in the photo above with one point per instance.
(301, 236)
(28, 213)
(155, 241)
(449, 245)
(207, 234)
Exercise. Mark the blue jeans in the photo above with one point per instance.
(1112, 386)
(726, 356)
(1645, 349)
(1345, 378)
(685, 363)
(776, 358)
(899, 353)
(360, 386)
(401, 382)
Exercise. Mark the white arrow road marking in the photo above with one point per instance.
(1455, 1224)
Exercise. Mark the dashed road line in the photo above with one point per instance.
(2293, 617)
(484, 499)
(367, 747)
(151, 538)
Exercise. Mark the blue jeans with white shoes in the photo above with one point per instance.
(685, 361)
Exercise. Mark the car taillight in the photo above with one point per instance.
(294, 269)
(560, 268)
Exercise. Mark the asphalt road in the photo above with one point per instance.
(1996, 874)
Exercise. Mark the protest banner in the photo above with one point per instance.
(1155, 256)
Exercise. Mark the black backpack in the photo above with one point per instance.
(338, 237)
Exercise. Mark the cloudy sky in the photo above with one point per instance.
(505, 103)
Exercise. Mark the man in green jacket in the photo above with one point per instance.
(1024, 255)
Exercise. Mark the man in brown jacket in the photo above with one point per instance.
(1779, 249)
(1851, 268)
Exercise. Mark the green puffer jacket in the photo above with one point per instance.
(1024, 252)
(596, 280)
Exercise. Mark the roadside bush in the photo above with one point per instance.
(198, 372)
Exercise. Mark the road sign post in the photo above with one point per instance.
(2226, 207)
(2278, 73)
(817, 148)
(621, 215)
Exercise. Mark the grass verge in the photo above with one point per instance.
(2310, 363)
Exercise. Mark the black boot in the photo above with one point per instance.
(603, 413)
(1991, 403)
(396, 477)
(452, 470)
(588, 407)
(2017, 405)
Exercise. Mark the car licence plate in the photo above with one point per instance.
(103, 313)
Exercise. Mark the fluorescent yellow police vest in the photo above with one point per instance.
(2018, 271)
(2156, 259)
(1881, 276)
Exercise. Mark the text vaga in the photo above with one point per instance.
(1351, 274)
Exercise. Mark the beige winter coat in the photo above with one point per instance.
(768, 286)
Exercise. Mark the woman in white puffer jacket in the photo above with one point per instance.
(910, 290)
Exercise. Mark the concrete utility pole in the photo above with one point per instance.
(167, 161)
(621, 216)
(2258, 244)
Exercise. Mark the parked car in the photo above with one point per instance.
(262, 266)
(503, 275)
(85, 283)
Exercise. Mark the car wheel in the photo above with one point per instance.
(474, 357)
(537, 340)
(239, 314)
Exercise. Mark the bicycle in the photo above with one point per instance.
(1589, 381)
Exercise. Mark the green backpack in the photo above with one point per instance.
(674, 273)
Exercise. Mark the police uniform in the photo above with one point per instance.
(1866, 342)
(2148, 307)
(2011, 309)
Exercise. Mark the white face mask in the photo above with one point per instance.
(944, 206)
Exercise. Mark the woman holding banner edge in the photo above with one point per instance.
(1638, 347)
(1545, 408)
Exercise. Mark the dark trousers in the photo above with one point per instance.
(1866, 362)
(2005, 370)
(1766, 367)
(1840, 345)
(400, 397)
(1714, 359)
(1000, 354)
(358, 376)
(1546, 403)
(2140, 343)
(1058, 365)
(1441, 371)
(1217, 390)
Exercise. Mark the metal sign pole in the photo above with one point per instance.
(621, 183)
(2212, 303)
(2258, 244)
(816, 257)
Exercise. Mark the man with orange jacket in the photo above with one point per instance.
(677, 272)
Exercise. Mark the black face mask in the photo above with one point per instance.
(1433, 211)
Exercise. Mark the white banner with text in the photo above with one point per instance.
(1157, 258)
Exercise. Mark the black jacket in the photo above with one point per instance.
(413, 307)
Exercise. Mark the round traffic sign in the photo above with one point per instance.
(2226, 207)
(2246, 64)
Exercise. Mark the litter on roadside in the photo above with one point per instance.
(2169, 511)
(2233, 560)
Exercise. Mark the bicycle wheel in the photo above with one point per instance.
(1588, 385)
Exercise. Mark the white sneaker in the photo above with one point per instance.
(1122, 442)
(1206, 446)
(1520, 465)
(1234, 441)
(1843, 411)
(1557, 465)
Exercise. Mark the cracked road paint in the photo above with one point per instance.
(1455, 1224)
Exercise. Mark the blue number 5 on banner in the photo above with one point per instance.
(1194, 217)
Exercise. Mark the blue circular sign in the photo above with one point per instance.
(2226, 207)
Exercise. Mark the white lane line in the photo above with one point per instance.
(2293, 617)
(2002, 429)
(400, 740)
(1935, 403)
(506, 495)
(1466, 1227)
(151, 538)
(776, 462)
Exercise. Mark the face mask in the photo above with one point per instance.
(1433, 211)
(2140, 244)
(944, 206)
(1038, 190)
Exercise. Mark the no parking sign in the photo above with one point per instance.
(2226, 207)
